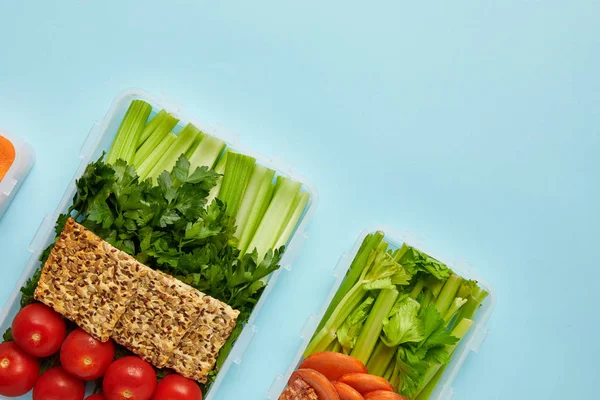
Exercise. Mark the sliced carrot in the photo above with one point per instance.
(383, 395)
(322, 386)
(365, 383)
(333, 365)
(346, 392)
(7, 155)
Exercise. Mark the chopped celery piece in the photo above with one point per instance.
(374, 325)
(146, 166)
(151, 127)
(431, 377)
(219, 169)
(274, 221)
(252, 203)
(257, 213)
(167, 123)
(446, 296)
(206, 153)
(235, 180)
(184, 140)
(194, 146)
(293, 217)
(381, 359)
(369, 244)
(126, 139)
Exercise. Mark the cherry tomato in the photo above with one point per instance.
(346, 392)
(321, 385)
(176, 387)
(18, 370)
(96, 397)
(365, 383)
(39, 330)
(129, 378)
(383, 395)
(84, 357)
(57, 384)
(333, 365)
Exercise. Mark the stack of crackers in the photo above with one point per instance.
(110, 295)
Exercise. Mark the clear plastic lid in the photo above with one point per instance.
(16, 160)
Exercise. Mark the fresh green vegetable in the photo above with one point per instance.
(276, 217)
(155, 136)
(146, 165)
(254, 204)
(238, 170)
(408, 334)
(292, 218)
(206, 152)
(129, 133)
(184, 140)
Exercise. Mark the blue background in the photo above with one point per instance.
(474, 124)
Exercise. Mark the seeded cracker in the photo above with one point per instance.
(196, 354)
(88, 281)
(162, 312)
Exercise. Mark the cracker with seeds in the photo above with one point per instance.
(163, 310)
(196, 354)
(88, 281)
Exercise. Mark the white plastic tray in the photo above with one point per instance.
(99, 139)
(471, 343)
(24, 159)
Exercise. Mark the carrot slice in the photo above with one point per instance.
(383, 395)
(7, 155)
(333, 365)
(322, 386)
(346, 392)
(365, 383)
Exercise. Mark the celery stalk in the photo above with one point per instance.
(126, 139)
(456, 305)
(258, 188)
(167, 123)
(146, 166)
(336, 347)
(374, 325)
(206, 153)
(327, 334)
(381, 358)
(257, 210)
(292, 219)
(151, 127)
(448, 293)
(238, 170)
(219, 169)
(274, 221)
(359, 263)
(193, 147)
(185, 138)
(417, 289)
(389, 370)
(473, 303)
(460, 331)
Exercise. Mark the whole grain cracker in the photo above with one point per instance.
(196, 354)
(88, 281)
(163, 310)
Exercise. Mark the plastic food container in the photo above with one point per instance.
(18, 157)
(471, 342)
(99, 140)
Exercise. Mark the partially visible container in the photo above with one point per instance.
(11, 180)
(98, 141)
(471, 343)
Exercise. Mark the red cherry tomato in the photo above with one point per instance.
(84, 357)
(57, 384)
(129, 378)
(176, 387)
(96, 397)
(18, 370)
(39, 330)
